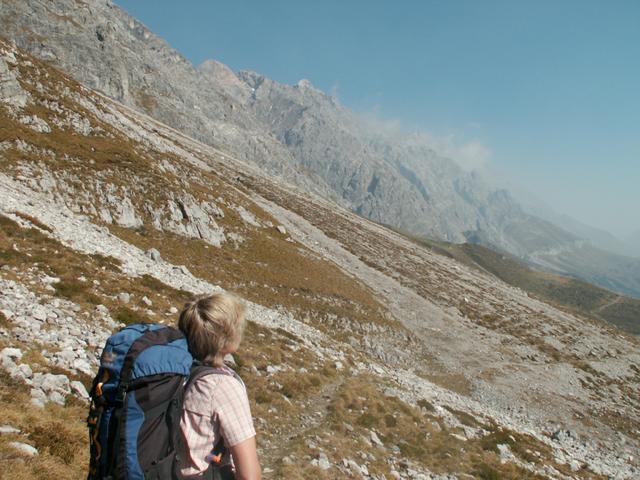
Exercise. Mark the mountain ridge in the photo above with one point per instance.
(318, 145)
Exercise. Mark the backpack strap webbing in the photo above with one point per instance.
(200, 370)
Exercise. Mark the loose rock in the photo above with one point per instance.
(124, 297)
(79, 389)
(153, 254)
(24, 448)
(8, 429)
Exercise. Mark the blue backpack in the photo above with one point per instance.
(136, 400)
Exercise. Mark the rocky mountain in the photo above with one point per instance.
(398, 179)
(391, 178)
(107, 50)
(367, 355)
(299, 133)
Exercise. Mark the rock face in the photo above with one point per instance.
(392, 178)
(296, 132)
(107, 50)
(226, 79)
(191, 219)
(10, 90)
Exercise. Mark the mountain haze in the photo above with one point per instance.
(633, 243)
(399, 180)
(597, 237)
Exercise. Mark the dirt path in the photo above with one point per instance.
(602, 308)
(314, 417)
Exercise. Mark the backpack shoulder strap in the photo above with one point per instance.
(200, 370)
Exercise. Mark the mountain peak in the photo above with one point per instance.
(226, 78)
(304, 83)
(251, 78)
(215, 67)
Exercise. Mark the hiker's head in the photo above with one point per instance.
(213, 325)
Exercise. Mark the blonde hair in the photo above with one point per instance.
(212, 324)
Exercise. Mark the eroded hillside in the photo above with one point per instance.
(367, 355)
(303, 135)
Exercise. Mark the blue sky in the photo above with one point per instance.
(545, 92)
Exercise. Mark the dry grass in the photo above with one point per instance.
(127, 316)
(423, 438)
(77, 291)
(616, 420)
(34, 221)
(262, 348)
(456, 382)
(59, 433)
(48, 256)
(268, 270)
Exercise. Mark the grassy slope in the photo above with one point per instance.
(578, 296)
(345, 408)
(339, 410)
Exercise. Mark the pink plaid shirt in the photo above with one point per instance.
(214, 406)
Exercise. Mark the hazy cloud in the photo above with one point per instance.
(335, 91)
(470, 155)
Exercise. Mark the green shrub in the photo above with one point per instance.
(127, 316)
(390, 421)
(485, 472)
(71, 289)
(367, 420)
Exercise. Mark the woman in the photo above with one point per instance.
(216, 410)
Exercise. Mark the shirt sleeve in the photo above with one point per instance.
(234, 414)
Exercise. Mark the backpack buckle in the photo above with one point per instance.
(121, 395)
